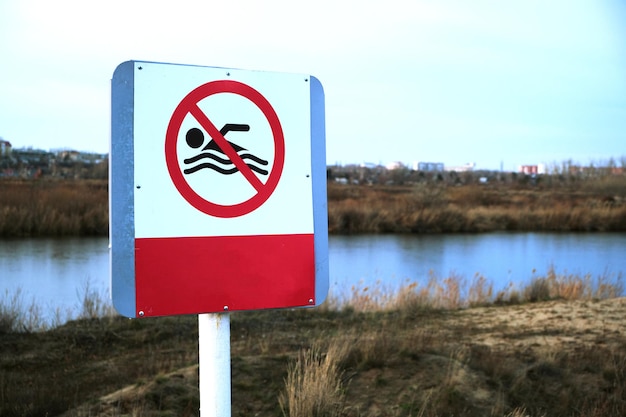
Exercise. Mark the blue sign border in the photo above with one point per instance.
(121, 193)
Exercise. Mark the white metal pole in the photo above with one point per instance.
(214, 363)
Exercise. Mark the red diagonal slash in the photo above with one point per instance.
(189, 106)
(221, 141)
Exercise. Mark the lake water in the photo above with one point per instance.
(55, 272)
(391, 261)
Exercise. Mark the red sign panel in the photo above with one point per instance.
(199, 274)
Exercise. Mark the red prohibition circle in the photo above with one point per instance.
(189, 105)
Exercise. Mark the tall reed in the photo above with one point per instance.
(454, 292)
(313, 386)
(437, 208)
(17, 315)
(80, 207)
(53, 208)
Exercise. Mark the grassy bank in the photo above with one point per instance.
(31, 208)
(554, 348)
(594, 205)
(80, 207)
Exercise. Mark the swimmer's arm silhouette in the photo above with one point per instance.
(228, 127)
(234, 127)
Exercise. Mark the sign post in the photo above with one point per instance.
(217, 200)
(214, 364)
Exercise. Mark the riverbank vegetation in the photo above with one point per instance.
(431, 204)
(32, 208)
(597, 204)
(556, 347)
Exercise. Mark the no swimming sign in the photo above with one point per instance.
(218, 190)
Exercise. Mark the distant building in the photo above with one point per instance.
(5, 147)
(532, 169)
(395, 165)
(68, 155)
(370, 165)
(528, 169)
(463, 168)
(429, 166)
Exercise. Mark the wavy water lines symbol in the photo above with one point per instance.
(213, 157)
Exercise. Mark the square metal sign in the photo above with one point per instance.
(217, 190)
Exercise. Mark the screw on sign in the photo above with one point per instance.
(221, 155)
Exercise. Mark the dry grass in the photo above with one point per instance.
(454, 292)
(446, 348)
(457, 391)
(593, 205)
(20, 316)
(314, 386)
(80, 207)
(487, 362)
(94, 304)
(573, 287)
(53, 208)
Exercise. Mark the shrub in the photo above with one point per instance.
(313, 387)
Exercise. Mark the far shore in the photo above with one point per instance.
(37, 208)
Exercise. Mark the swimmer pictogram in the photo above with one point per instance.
(212, 157)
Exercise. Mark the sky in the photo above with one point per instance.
(496, 83)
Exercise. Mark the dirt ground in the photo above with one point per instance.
(554, 358)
